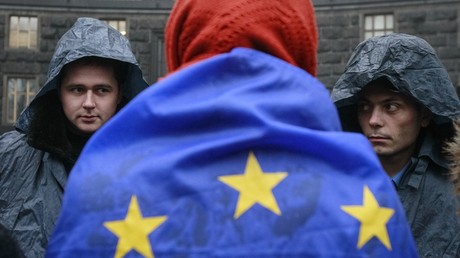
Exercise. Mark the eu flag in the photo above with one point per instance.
(240, 155)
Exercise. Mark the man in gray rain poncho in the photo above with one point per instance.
(397, 93)
(93, 73)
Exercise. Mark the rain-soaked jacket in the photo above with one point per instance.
(426, 192)
(35, 158)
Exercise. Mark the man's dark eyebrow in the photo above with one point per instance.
(71, 85)
(105, 85)
(398, 96)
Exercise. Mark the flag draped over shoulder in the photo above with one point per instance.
(240, 155)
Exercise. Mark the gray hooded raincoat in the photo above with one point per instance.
(426, 192)
(36, 158)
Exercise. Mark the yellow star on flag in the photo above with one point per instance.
(133, 231)
(373, 219)
(254, 186)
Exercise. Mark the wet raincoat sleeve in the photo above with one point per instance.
(29, 192)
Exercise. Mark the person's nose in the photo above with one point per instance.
(376, 118)
(89, 102)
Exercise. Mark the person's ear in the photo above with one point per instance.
(426, 117)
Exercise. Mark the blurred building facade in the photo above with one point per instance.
(30, 29)
(345, 23)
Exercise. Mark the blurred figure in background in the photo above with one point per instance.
(453, 150)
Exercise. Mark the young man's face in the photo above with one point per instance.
(89, 95)
(390, 120)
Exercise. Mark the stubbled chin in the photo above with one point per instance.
(379, 150)
(88, 128)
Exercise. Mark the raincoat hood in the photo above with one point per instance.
(87, 37)
(410, 64)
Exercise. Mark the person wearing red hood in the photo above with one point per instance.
(199, 30)
(236, 152)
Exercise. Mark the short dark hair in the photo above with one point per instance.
(120, 69)
(385, 81)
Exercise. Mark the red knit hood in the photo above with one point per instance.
(199, 29)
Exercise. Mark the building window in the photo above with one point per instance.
(20, 92)
(159, 68)
(23, 32)
(119, 25)
(378, 25)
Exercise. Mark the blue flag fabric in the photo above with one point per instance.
(240, 155)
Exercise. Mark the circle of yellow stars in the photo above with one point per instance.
(254, 187)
